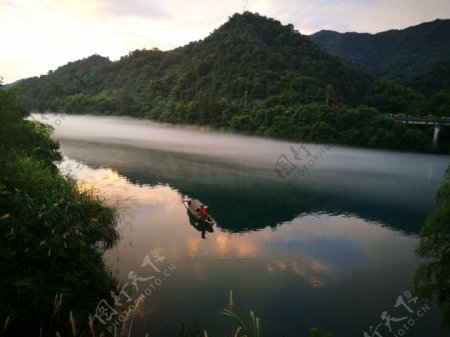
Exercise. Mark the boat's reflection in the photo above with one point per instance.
(202, 228)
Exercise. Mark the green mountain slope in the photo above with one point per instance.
(435, 84)
(251, 75)
(250, 58)
(432, 81)
(395, 54)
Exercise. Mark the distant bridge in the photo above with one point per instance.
(437, 121)
(424, 120)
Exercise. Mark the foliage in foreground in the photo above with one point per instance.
(250, 328)
(51, 233)
(432, 279)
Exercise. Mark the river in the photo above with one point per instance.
(307, 235)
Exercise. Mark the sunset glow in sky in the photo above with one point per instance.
(37, 36)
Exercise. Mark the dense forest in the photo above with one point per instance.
(435, 85)
(51, 233)
(251, 75)
(395, 54)
(418, 57)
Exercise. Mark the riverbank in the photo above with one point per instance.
(52, 235)
(361, 127)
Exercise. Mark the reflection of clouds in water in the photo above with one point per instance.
(118, 190)
(374, 184)
(321, 249)
(275, 266)
(296, 258)
(317, 273)
(222, 245)
(318, 248)
(281, 265)
(129, 198)
(236, 245)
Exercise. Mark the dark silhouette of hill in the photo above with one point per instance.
(395, 54)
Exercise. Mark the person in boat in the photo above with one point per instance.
(204, 211)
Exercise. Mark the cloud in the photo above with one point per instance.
(399, 14)
(136, 8)
(350, 15)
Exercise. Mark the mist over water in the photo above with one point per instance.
(334, 247)
(249, 151)
(147, 134)
(194, 160)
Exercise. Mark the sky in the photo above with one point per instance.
(40, 35)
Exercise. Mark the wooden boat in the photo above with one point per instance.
(201, 227)
(194, 207)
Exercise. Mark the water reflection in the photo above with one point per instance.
(251, 198)
(202, 228)
(332, 250)
(275, 270)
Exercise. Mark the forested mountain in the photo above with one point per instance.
(251, 75)
(435, 84)
(395, 54)
(247, 59)
(433, 81)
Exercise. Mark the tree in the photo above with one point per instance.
(329, 92)
(322, 132)
(51, 234)
(432, 278)
(241, 123)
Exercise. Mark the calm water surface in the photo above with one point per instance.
(333, 249)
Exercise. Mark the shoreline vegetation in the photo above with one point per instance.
(52, 234)
(384, 134)
(432, 277)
